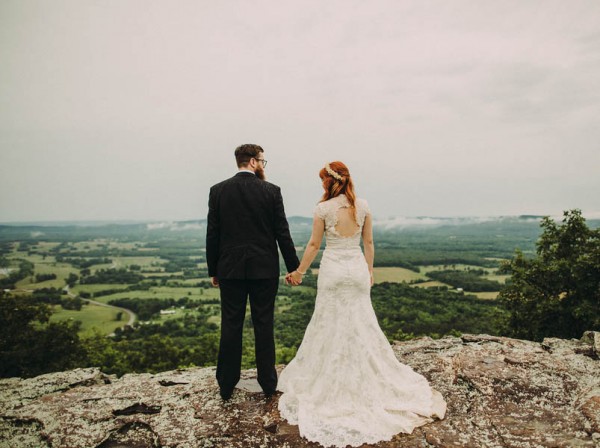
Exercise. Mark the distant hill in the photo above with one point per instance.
(522, 226)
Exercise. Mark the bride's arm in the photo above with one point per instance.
(367, 236)
(312, 248)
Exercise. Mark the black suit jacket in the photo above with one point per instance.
(246, 221)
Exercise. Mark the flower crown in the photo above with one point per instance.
(332, 173)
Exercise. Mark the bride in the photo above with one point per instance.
(345, 385)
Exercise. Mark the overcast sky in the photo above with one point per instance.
(132, 109)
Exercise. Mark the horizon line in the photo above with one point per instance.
(592, 215)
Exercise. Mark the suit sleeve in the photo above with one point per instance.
(212, 235)
(282, 233)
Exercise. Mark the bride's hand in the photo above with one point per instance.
(372, 279)
(289, 280)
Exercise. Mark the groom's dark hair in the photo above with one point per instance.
(244, 153)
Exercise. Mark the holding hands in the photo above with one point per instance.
(294, 278)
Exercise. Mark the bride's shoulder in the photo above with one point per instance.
(361, 202)
(325, 209)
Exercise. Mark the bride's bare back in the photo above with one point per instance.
(346, 225)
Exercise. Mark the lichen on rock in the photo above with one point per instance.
(501, 392)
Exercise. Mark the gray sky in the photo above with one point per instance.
(132, 109)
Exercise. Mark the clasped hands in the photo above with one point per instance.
(293, 278)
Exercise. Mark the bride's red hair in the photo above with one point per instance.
(334, 187)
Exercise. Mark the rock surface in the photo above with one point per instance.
(501, 392)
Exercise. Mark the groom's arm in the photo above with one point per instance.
(282, 234)
(212, 235)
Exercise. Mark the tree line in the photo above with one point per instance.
(469, 280)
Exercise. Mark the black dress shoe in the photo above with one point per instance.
(270, 393)
(225, 395)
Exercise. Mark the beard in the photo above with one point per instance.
(260, 173)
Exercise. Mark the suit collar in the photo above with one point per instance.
(244, 173)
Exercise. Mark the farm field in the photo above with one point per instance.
(62, 271)
(486, 295)
(395, 274)
(461, 267)
(161, 292)
(144, 262)
(430, 284)
(91, 316)
(500, 278)
(95, 287)
(490, 272)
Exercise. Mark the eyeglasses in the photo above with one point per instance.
(261, 160)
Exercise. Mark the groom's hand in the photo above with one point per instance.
(214, 281)
(288, 280)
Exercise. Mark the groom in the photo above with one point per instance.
(246, 221)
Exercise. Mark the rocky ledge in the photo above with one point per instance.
(501, 392)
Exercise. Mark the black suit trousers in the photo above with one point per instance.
(234, 295)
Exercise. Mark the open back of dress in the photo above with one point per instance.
(346, 225)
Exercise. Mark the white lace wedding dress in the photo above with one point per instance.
(345, 385)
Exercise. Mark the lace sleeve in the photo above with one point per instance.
(363, 210)
(320, 211)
